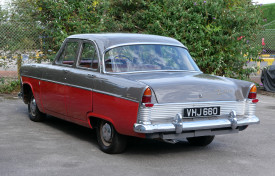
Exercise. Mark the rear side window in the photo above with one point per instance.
(69, 54)
(88, 57)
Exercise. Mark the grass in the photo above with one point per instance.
(8, 85)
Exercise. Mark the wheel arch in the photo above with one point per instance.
(94, 119)
(27, 91)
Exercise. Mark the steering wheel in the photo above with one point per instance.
(122, 57)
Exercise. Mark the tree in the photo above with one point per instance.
(60, 18)
(219, 34)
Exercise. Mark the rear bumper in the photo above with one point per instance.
(179, 127)
(165, 121)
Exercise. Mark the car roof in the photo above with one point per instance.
(107, 40)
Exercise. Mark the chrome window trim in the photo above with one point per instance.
(143, 43)
(80, 52)
(118, 73)
(61, 52)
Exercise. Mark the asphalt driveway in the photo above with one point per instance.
(57, 147)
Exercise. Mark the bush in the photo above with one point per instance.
(8, 85)
(219, 34)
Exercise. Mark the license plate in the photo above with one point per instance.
(201, 112)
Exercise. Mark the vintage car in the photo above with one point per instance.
(146, 86)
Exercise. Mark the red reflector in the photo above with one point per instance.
(255, 101)
(149, 105)
(146, 99)
(252, 95)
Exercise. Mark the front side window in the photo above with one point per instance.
(69, 54)
(88, 58)
(148, 57)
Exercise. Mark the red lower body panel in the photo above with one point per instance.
(120, 112)
(76, 105)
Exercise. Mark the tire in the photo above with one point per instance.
(34, 113)
(200, 141)
(109, 140)
(241, 128)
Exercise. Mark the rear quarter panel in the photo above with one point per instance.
(117, 100)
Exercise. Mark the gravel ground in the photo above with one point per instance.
(56, 147)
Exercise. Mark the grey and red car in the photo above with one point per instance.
(138, 85)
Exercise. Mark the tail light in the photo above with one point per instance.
(146, 98)
(253, 94)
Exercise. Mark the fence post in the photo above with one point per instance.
(19, 63)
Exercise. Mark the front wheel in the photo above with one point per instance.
(200, 141)
(34, 113)
(109, 140)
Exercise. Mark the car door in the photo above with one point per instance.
(82, 78)
(54, 86)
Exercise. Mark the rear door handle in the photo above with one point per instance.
(65, 71)
(90, 76)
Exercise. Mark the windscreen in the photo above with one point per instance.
(143, 57)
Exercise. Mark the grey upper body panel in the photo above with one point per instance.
(168, 87)
(180, 87)
(86, 79)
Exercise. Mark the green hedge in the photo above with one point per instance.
(219, 34)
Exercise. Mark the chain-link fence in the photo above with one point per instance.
(267, 39)
(20, 42)
(24, 42)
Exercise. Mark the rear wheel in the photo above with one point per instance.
(109, 140)
(200, 141)
(34, 113)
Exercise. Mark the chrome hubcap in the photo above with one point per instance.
(33, 107)
(107, 132)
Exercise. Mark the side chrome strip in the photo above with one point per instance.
(114, 95)
(56, 82)
(84, 88)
